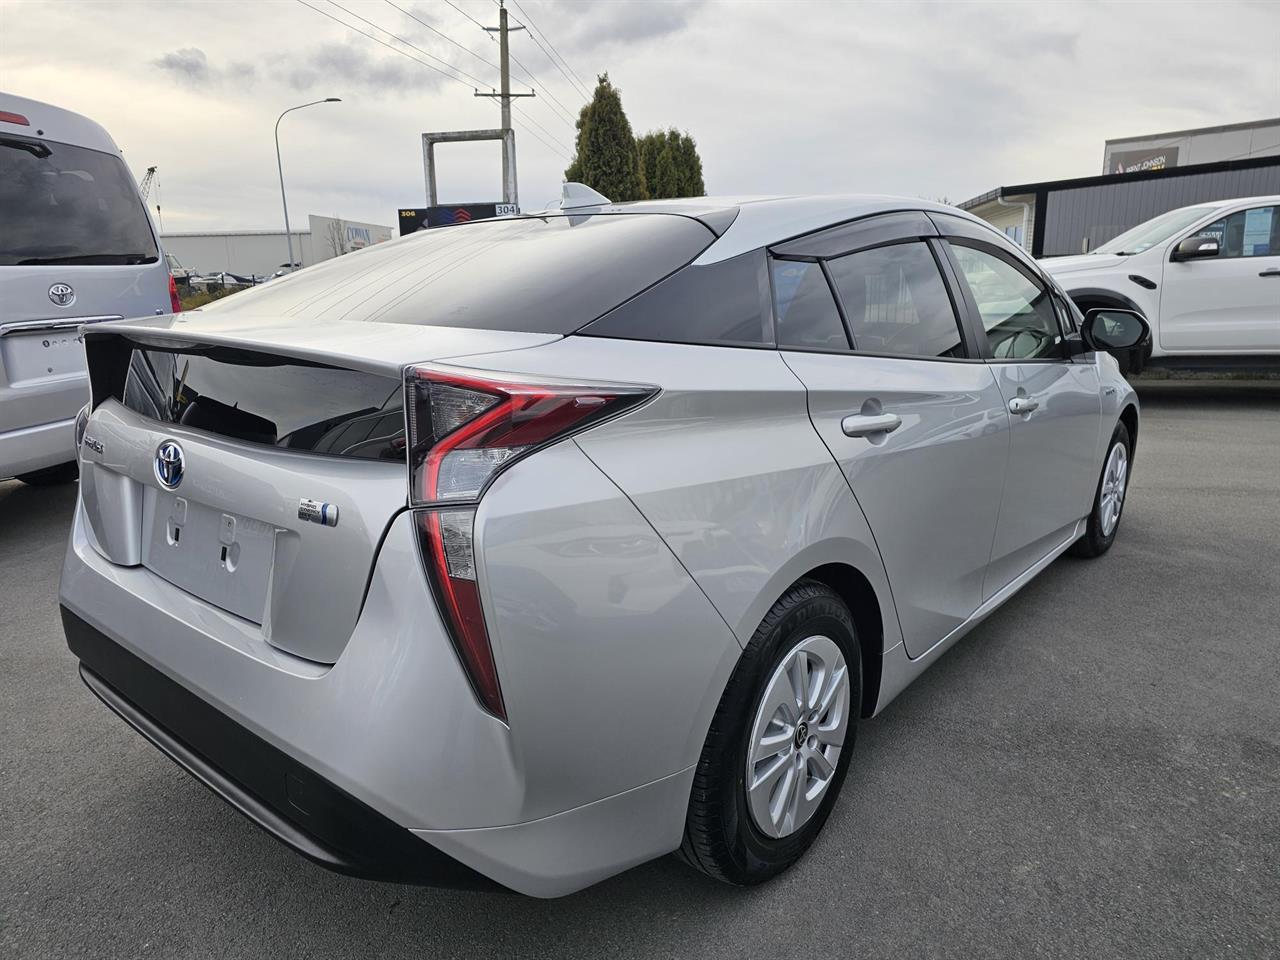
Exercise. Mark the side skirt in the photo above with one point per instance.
(899, 669)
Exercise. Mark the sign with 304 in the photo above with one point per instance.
(413, 219)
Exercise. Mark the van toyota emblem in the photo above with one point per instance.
(62, 294)
(170, 464)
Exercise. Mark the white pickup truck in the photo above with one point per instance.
(1206, 277)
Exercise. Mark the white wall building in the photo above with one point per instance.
(1181, 148)
(263, 252)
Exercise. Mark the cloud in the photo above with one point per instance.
(190, 65)
(589, 27)
(348, 66)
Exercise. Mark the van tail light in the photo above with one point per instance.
(17, 118)
(175, 302)
(464, 429)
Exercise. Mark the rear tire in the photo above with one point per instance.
(1109, 498)
(51, 476)
(731, 833)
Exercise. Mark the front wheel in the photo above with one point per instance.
(1108, 501)
(780, 742)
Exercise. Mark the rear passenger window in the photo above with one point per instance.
(896, 302)
(804, 309)
(725, 303)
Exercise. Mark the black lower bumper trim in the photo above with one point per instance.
(291, 802)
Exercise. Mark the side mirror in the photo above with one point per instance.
(1114, 330)
(1195, 248)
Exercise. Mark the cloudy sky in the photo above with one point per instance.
(945, 99)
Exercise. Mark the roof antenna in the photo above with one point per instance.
(574, 195)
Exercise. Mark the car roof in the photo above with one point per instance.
(745, 223)
(55, 124)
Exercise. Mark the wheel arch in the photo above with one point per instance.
(1098, 297)
(860, 597)
(1129, 417)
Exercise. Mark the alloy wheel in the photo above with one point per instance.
(797, 736)
(1115, 478)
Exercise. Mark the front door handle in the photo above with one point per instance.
(1022, 405)
(864, 425)
(1273, 272)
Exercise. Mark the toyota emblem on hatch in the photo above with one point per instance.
(170, 464)
(62, 294)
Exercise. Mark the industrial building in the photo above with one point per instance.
(1143, 177)
(263, 252)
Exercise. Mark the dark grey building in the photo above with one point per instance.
(1143, 177)
(1062, 217)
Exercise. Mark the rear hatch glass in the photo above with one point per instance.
(550, 274)
(265, 399)
(62, 204)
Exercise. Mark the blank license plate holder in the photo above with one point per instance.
(222, 558)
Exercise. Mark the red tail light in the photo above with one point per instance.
(17, 118)
(464, 429)
(175, 302)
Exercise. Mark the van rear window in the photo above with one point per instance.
(66, 204)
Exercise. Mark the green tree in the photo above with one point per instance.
(690, 164)
(607, 158)
(650, 145)
(684, 178)
(666, 180)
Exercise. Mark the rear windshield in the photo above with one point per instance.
(65, 204)
(534, 274)
(260, 398)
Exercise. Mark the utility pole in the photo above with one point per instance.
(509, 190)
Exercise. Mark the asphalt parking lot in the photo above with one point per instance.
(1094, 772)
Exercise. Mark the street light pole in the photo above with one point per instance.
(280, 168)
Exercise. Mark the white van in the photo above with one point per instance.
(76, 247)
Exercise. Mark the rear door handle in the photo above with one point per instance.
(1022, 405)
(1273, 272)
(863, 425)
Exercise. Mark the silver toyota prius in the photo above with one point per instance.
(519, 552)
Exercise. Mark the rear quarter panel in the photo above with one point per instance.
(725, 465)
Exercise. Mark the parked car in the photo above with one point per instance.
(76, 248)
(1206, 277)
(523, 551)
(181, 275)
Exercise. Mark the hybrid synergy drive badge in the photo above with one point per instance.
(325, 514)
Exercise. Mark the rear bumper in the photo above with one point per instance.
(291, 802)
(34, 448)
(393, 725)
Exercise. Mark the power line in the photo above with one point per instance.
(464, 73)
(568, 117)
(423, 63)
(465, 14)
(530, 119)
(534, 29)
(468, 50)
(385, 44)
(441, 33)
